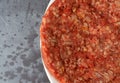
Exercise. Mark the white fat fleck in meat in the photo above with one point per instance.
(98, 75)
(79, 61)
(108, 75)
(108, 29)
(63, 1)
(78, 49)
(116, 42)
(117, 3)
(87, 19)
(55, 14)
(85, 24)
(44, 21)
(117, 23)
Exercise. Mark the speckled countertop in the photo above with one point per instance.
(20, 60)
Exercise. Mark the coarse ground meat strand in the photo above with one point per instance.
(81, 41)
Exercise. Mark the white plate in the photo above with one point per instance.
(50, 77)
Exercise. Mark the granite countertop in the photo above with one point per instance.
(20, 60)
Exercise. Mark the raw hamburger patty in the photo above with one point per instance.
(81, 41)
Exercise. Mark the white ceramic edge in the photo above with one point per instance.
(50, 77)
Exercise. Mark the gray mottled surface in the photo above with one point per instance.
(20, 60)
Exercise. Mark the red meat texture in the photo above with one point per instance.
(81, 41)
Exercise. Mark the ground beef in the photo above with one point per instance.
(81, 41)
